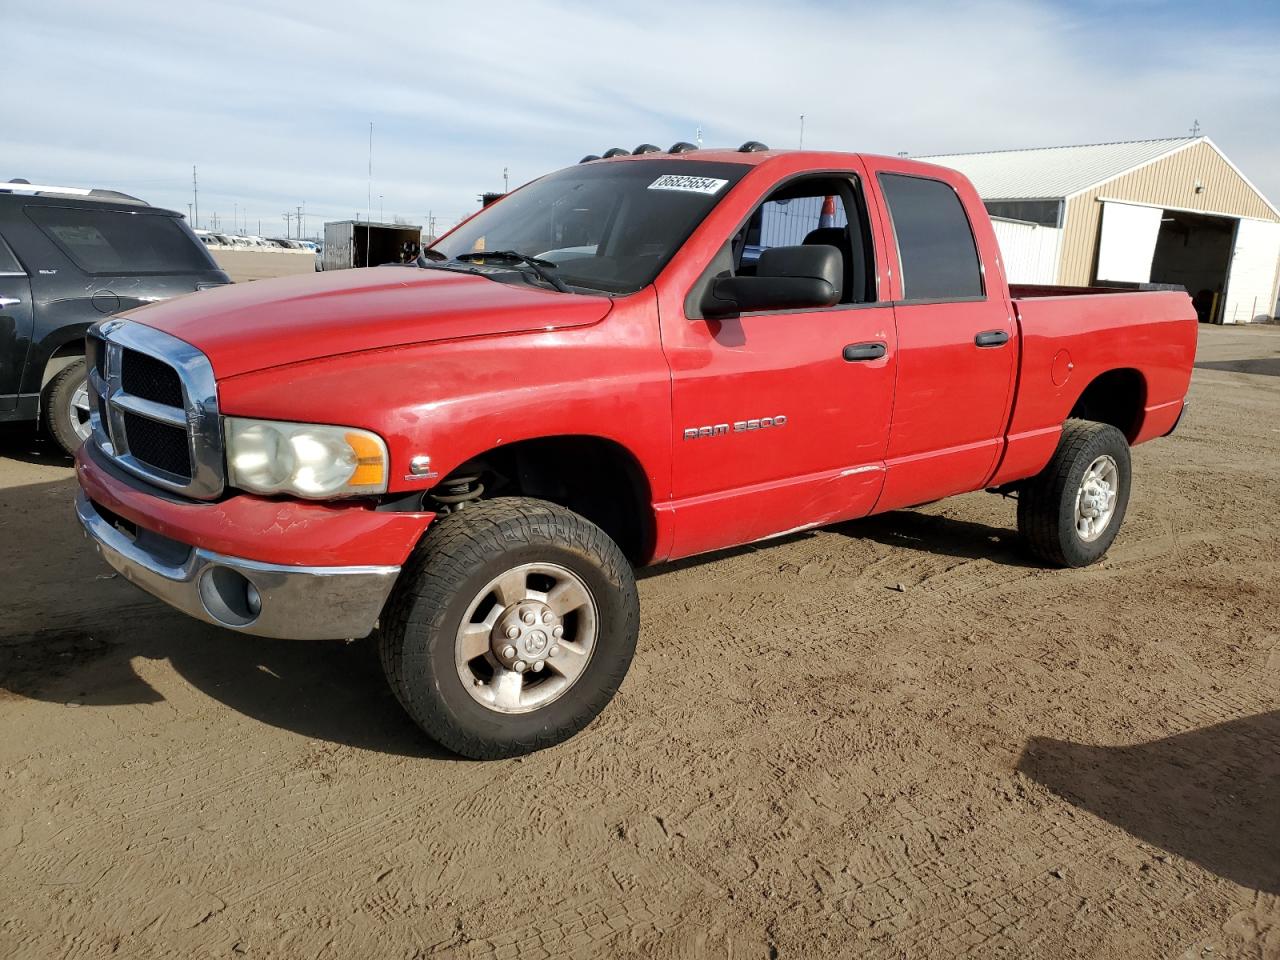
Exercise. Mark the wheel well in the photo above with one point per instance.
(60, 359)
(1116, 397)
(594, 477)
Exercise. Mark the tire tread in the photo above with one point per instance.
(454, 547)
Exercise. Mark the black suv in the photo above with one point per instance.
(69, 257)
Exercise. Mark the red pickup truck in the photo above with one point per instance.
(631, 360)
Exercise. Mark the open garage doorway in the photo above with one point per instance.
(1194, 251)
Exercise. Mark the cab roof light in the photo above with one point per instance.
(616, 152)
(753, 146)
(646, 148)
(682, 146)
(588, 158)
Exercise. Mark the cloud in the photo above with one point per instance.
(273, 101)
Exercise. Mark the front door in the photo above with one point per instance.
(781, 418)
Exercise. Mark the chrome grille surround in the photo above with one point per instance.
(198, 417)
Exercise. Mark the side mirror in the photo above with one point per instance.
(787, 278)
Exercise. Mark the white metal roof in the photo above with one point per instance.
(1047, 173)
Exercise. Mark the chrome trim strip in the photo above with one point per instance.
(198, 416)
(151, 410)
(298, 603)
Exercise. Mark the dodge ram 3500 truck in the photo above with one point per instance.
(632, 360)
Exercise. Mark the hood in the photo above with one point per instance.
(270, 323)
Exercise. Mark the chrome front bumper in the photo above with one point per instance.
(265, 599)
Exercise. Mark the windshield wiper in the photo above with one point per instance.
(545, 269)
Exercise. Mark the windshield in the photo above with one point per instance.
(605, 226)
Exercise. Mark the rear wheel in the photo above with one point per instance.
(511, 628)
(1070, 513)
(65, 406)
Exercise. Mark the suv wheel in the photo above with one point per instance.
(65, 406)
(511, 628)
(1072, 510)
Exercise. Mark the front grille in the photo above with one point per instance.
(158, 445)
(155, 410)
(150, 379)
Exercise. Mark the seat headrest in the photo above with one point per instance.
(835, 236)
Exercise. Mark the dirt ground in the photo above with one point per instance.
(997, 761)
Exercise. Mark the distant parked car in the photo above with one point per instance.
(68, 257)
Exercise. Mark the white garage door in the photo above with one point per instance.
(1251, 284)
(1128, 241)
(1029, 250)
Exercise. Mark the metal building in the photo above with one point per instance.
(1147, 211)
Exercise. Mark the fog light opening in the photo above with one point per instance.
(229, 597)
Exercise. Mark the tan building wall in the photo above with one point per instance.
(1169, 183)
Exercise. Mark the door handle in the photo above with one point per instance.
(874, 350)
(9, 301)
(992, 338)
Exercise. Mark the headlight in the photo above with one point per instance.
(304, 459)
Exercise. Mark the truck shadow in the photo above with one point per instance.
(1262, 366)
(946, 536)
(1211, 796)
(70, 632)
(23, 441)
(901, 528)
(321, 690)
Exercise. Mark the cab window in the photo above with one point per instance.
(809, 211)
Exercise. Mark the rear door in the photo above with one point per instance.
(15, 326)
(957, 345)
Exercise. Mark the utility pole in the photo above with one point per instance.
(506, 181)
(195, 196)
(235, 216)
(431, 224)
(298, 220)
(802, 131)
(288, 219)
(382, 217)
(698, 138)
(369, 196)
(1195, 128)
(189, 212)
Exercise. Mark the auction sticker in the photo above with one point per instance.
(709, 185)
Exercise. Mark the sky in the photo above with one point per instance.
(272, 100)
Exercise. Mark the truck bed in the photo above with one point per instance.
(1143, 340)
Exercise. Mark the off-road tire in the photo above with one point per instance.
(1046, 504)
(458, 556)
(55, 405)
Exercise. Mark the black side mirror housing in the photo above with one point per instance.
(787, 278)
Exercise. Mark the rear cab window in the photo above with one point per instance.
(115, 242)
(937, 254)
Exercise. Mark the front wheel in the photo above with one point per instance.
(1071, 511)
(511, 628)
